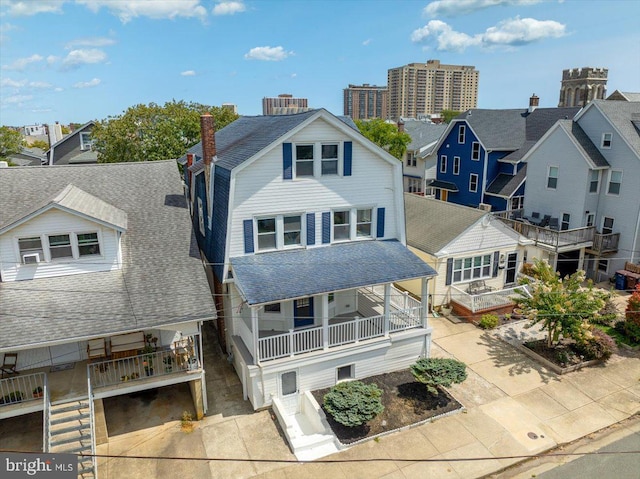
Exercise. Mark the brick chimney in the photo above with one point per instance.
(400, 125)
(534, 101)
(208, 137)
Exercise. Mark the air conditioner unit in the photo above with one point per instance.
(31, 258)
(484, 206)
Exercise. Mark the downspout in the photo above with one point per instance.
(484, 174)
(635, 238)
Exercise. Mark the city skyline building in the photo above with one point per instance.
(362, 102)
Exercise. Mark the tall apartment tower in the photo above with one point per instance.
(365, 101)
(283, 104)
(421, 89)
(581, 85)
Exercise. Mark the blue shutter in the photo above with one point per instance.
(311, 229)
(496, 260)
(287, 169)
(326, 227)
(248, 235)
(449, 271)
(347, 158)
(380, 228)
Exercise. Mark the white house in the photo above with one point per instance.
(419, 161)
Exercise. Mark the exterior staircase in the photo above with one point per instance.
(70, 431)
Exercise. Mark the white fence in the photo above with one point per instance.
(483, 301)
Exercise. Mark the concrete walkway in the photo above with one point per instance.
(513, 407)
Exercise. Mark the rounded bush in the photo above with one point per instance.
(353, 403)
(597, 345)
(629, 329)
(434, 372)
(488, 321)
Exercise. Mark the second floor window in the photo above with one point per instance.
(330, 159)
(304, 160)
(443, 164)
(85, 141)
(552, 177)
(606, 140)
(566, 220)
(277, 232)
(456, 165)
(31, 250)
(352, 224)
(475, 151)
(341, 228)
(411, 159)
(615, 181)
(594, 181)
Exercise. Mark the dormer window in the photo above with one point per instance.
(69, 246)
(60, 247)
(86, 143)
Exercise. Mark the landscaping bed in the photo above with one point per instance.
(562, 358)
(406, 402)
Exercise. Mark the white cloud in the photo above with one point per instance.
(272, 54)
(87, 84)
(293, 75)
(17, 98)
(40, 84)
(75, 58)
(156, 9)
(51, 59)
(228, 8)
(21, 63)
(90, 42)
(33, 7)
(58, 89)
(511, 32)
(12, 83)
(452, 8)
(366, 42)
(188, 73)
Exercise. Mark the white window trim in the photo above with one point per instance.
(546, 184)
(611, 172)
(472, 145)
(353, 225)
(604, 135)
(200, 217)
(456, 165)
(75, 249)
(593, 219)
(471, 278)
(443, 162)
(280, 391)
(598, 182)
(462, 133)
(476, 188)
(353, 373)
(562, 221)
(613, 222)
(84, 146)
(279, 220)
(317, 159)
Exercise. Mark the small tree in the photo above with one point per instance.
(385, 135)
(448, 115)
(561, 305)
(10, 142)
(434, 372)
(353, 403)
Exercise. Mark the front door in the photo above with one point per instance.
(512, 265)
(302, 312)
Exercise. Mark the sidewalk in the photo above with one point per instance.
(513, 407)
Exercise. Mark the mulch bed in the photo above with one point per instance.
(563, 355)
(405, 401)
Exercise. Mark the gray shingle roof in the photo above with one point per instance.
(281, 275)
(622, 114)
(574, 130)
(506, 185)
(422, 133)
(443, 185)
(432, 224)
(497, 129)
(161, 282)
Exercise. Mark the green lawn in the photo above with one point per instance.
(619, 338)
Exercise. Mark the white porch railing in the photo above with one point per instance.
(483, 301)
(22, 388)
(356, 330)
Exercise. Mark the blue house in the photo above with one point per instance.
(479, 156)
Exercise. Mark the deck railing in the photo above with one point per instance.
(550, 237)
(484, 301)
(143, 366)
(22, 388)
(605, 243)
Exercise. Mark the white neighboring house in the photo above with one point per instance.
(102, 292)
(477, 257)
(306, 237)
(419, 161)
(585, 173)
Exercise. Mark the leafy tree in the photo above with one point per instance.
(10, 142)
(434, 372)
(43, 145)
(448, 115)
(353, 403)
(385, 135)
(562, 306)
(153, 132)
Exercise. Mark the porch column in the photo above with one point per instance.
(424, 302)
(256, 334)
(387, 308)
(324, 311)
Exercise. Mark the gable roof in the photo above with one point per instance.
(593, 154)
(75, 132)
(624, 116)
(496, 129)
(248, 135)
(432, 224)
(161, 281)
(505, 185)
(423, 133)
(74, 200)
(624, 96)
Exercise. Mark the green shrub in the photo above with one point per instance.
(353, 403)
(488, 321)
(629, 329)
(607, 315)
(434, 372)
(596, 345)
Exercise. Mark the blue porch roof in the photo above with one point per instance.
(281, 275)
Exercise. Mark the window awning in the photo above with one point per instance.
(443, 185)
(281, 275)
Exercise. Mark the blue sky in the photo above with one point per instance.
(78, 60)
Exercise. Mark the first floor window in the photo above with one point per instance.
(341, 227)
(566, 219)
(31, 250)
(330, 159)
(473, 183)
(475, 267)
(88, 244)
(591, 219)
(607, 225)
(443, 164)
(517, 202)
(414, 185)
(552, 177)
(603, 265)
(60, 246)
(615, 180)
(363, 223)
(289, 383)
(304, 160)
(266, 233)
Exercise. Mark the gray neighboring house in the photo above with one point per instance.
(102, 292)
(419, 161)
(75, 148)
(29, 157)
(585, 173)
(624, 96)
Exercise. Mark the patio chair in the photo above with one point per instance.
(9, 364)
(554, 224)
(545, 221)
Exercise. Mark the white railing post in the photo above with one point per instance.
(405, 300)
(325, 321)
(424, 303)
(291, 343)
(255, 334)
(387, 309)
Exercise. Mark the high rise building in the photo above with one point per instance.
(422, 89)
(581, 85)
(365, 101)
(283, 104)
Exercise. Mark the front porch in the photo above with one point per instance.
(379, 312)
(473, 306)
